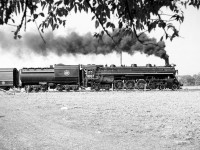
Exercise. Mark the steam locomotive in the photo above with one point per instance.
(97, 77)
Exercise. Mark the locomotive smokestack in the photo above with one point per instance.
(121, 58)
(167, 61)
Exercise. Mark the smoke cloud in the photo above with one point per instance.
(83, 44)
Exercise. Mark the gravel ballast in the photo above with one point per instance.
(114, 120)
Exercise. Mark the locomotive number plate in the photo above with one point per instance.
(66, 72)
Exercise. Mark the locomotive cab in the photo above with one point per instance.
(89, 74)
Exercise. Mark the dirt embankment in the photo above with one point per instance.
(139, 120)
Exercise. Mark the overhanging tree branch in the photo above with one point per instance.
(40, 32)
(22, 21)
(93, 11)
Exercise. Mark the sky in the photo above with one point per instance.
(184, 51)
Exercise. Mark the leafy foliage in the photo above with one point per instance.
(189, 80)
(131, 15)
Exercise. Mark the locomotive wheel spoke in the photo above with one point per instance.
(75, 89)
(107, 87)
(141, 84)
(30, 90)
(119, 85)
(162, 87)
(174, 87)
(97, 88)
(151, 86)
(44, 88)
(130, 85)
(59, 88)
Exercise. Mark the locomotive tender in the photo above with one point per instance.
(97, 77)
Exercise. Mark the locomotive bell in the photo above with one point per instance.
(133, 65)
(112, 65)
(148, 65)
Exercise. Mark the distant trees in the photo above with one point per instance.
(189, 80)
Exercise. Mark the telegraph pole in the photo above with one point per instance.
(121, 57)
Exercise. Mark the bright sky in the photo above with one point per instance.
(184, 51)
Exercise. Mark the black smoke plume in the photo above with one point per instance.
(84, 44)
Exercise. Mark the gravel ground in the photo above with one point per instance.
(124, 120)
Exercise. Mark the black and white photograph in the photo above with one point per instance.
(99, 75)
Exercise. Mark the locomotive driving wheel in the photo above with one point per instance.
(174, 87)
(107, 87)
(162, 87)
(151, 86)
(118, 84)
(59, 88)
(130, 84)
(97, 87)
(67, 88)
(141, 84)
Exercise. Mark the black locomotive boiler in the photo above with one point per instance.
(130, 77)
(97, 77)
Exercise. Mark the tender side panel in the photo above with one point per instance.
(36, 75)
(67, 74)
